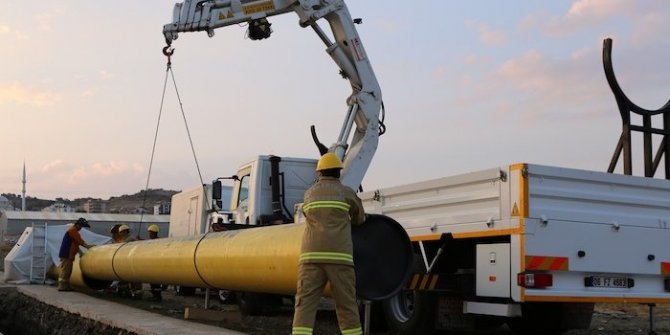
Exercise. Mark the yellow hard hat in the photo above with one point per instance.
(123, 227)
(153, 228)
(329, 161)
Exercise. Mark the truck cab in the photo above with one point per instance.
(268, 189)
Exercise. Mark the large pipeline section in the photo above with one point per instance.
(263, 260)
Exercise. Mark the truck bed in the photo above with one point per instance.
(594, 232)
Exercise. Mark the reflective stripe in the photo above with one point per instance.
(353, 331)
(323, 256)
(302, 331)
(326, 204)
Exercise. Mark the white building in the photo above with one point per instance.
(5, 204)
(59, 207)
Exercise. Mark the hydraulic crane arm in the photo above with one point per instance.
(364, 104)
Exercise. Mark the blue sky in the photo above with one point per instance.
(467, 86)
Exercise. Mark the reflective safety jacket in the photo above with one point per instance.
(330, 209)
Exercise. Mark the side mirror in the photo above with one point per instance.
(216, 190)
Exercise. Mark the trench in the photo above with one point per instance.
(23, 315)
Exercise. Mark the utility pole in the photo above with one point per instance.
(23, 193)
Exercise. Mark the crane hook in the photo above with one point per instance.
(168, 51)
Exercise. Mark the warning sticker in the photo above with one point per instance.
(224, 16)
(357, 48)
(259, 7)
(515, 210)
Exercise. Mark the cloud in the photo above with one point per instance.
(474, 59)
(527, 72)
(597, 9)
(88, 92)
(650, 26)
(110, 168)
(534, 88)
(53, 165)
(60, 178)
(585, 13)
(8, 31)
(105, 75)
(486, 35)
(529, 22)
(21, 94)
(44, 20)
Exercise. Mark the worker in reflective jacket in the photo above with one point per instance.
(327, 250)
(68, 250)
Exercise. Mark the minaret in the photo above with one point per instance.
(23, 194)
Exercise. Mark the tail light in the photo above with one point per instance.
(536, 280)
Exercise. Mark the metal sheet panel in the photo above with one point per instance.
(605, 224)
(597, 197)
(430, 206)
(493, 270)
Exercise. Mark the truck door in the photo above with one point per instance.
(240, 197)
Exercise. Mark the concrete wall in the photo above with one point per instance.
(16, 222)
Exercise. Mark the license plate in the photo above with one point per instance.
(611, 282)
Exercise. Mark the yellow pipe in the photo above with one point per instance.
(254, 260)
(262, 259)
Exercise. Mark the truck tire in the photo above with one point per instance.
(410, 312)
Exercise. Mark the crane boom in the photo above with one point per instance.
(364, 104)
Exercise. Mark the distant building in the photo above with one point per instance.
(5, 204)
(95, 206)
(162, 208)
(59, 207)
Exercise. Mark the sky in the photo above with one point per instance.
(467, 86)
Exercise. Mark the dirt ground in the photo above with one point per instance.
(608, 319)
(21, 315)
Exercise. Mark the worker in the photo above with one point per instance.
(133, 290)
(124, 234)
(156, 289)
(116, 238)
(68, 250)
(326, 253)
(153, 230)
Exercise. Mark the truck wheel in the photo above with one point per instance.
(410, 312)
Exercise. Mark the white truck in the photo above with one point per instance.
(529, 245)
(532, 245)
(190, 212)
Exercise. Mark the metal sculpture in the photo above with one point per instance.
(626, 108)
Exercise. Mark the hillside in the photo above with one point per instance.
(127, 203)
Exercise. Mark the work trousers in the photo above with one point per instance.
(65, 267)
(312, 279)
